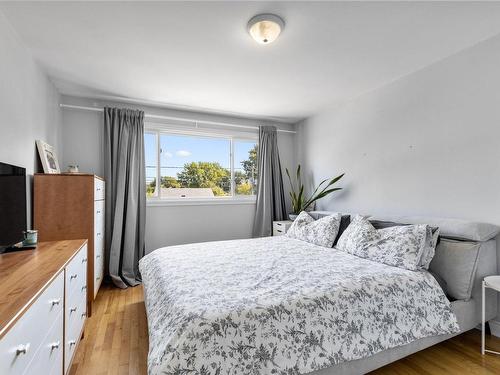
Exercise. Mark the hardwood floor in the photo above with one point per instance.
(116, 336)
(116, 342)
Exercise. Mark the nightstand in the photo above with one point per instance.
(280, 227)
(492, 282)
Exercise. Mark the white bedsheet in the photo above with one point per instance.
(280, 306)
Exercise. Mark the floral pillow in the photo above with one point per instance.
(399, 246)
(356, 235)
(321, 232)
(432, 239)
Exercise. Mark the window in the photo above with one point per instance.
(199, 166)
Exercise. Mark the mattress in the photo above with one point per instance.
(281, 306)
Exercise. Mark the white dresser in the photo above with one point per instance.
(42, 307)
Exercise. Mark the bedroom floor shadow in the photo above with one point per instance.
(116, 342)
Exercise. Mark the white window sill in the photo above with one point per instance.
(199, 202)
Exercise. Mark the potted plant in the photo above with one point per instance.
(299, 201)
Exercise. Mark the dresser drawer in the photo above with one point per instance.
(98, 273)
(49, 356)
(99, 217)
(99, 239)
(76, 271)
(75, 309)
(73, 331)
(19, 345)
(281, 227)
(98, 189)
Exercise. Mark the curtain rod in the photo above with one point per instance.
(160, 117)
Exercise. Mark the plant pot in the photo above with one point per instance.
(292, 216)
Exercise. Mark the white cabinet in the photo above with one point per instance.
(281, 227)
(43, 337)
(22, 342)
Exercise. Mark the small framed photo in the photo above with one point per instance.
(48, 157)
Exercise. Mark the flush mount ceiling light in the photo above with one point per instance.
(265, 28)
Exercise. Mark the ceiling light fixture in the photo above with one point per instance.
(265, 28)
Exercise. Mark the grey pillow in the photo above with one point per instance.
(456, 263)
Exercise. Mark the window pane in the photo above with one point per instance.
(245, 167)
(194, 167)
(150, 153)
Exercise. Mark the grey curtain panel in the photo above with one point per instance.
(124, 170)
(270, 193)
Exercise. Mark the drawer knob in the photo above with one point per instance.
(84, 288)
(84, 260)
(98, 233)
(22, 349)
(97, 256)
(71, 343)
(55, 302)
(73, 309)
(84, 315)
(55, 345)
(98, 211)
(73, 276)
(98, 278)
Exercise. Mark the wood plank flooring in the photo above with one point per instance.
(116, 342)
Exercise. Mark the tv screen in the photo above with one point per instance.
(12, 204)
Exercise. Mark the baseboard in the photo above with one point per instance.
(495, 327)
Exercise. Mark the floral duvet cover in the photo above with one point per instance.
(277, 305)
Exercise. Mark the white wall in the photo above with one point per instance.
(166, 225)
(28, 106)
(426, 144)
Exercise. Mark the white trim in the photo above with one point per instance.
(161, 117)
(163, 129)
(156, 202)
(231, 167)
(151, 127)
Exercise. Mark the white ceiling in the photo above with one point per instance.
(198, 55)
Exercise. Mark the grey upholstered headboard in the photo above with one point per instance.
(482, 233)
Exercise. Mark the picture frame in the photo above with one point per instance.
(48, 157)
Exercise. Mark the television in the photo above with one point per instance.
(13, 219)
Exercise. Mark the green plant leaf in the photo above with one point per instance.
(300, 198)
(324, 194)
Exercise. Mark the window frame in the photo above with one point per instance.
(232, 137)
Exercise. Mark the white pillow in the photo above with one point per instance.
(321, 232)
(399, 246)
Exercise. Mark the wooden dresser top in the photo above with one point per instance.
(79, 174)
(24, 275)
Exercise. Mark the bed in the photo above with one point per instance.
(278, 305)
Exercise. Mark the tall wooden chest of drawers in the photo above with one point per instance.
(71, 206)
